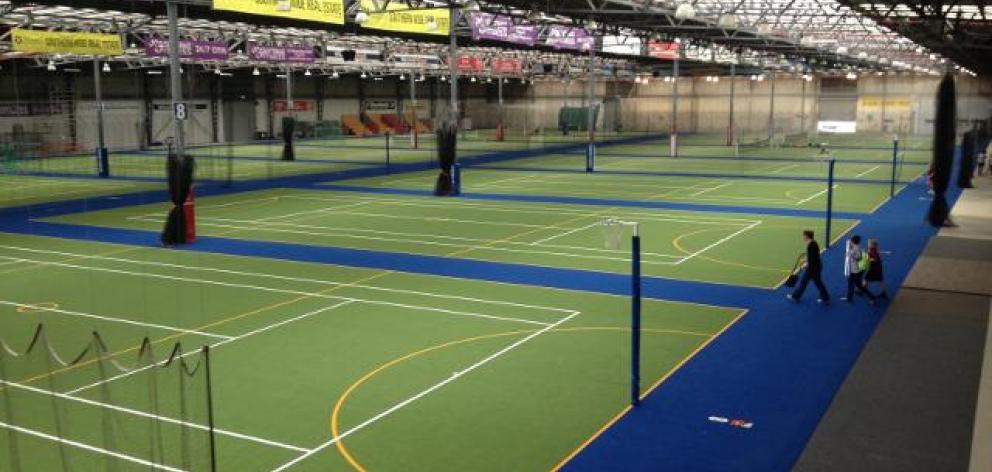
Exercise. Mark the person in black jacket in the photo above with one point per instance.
(814, 271)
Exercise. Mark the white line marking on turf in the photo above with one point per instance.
(345, 234)
(573, 230)
(867, 172)
(227, 341)
(280, 290)
(88, 447)
(783, 168)
(817, 194)
(710, 189)
(166, 419)
(330, 209)
(422, 394)
(289, 278)
(721, 241)
(116, 320)
(530, 208)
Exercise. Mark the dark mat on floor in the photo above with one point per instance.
(909, 402)
(959, 248)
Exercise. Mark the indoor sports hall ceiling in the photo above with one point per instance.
(793, 35)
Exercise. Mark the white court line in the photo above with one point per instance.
(710, 189)
(287, 278)
(280, 290)
(541, 210)
(226, 341)
(783, 169)
(566, 233)
(817, 194)
(721, 241)
(116, 320)
(329, 209)
(866, 172)
(676, 197)
(88, 447)
(423, 393)
(166, 419)
(331, 233)
(348, 232)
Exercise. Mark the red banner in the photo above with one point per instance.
(663, 50)
(470, 64)
(506, 66)
(298, 105)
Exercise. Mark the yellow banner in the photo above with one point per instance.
(401, 18)
(879, 102)
(67, 42)
(323, 11)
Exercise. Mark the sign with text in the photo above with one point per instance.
(567, 37)
(67, 42)
(188, 49)
(506, 66)
(663, 49)
(502, 28)
(294, 54)
(298, 105)
(403, 19)
(323, 11)
(470, 64)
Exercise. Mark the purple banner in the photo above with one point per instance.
(188, 49)
(297, 54)
(567, 37)
(501, 28)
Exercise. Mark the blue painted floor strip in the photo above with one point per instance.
(778, 367)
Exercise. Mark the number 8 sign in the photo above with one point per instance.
(181, 111)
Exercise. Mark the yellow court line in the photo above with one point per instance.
(343, 398)
(678, 240)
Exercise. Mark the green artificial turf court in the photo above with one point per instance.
(23, 190)
(316, 367)
(743, 249)
(730, 191)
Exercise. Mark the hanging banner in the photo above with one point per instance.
(298, 105)
(67, 42)
(470, 64)
(627, 45)
(567, 37)
(323, 11)
(663, 50)
(285, 54)
(506, 66)
(501, 28)
(876, 102)
(188, 49)
(401, 18)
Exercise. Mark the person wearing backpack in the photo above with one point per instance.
(855, 264)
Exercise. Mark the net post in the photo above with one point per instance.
(102, 162)
(895, 159)
(456, 179)
(830, 199)
(210, 409)
(635, 320)
(591, 157)
(388, 139)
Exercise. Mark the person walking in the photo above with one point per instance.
(855, 264)
(874, 273)
(813, 272)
